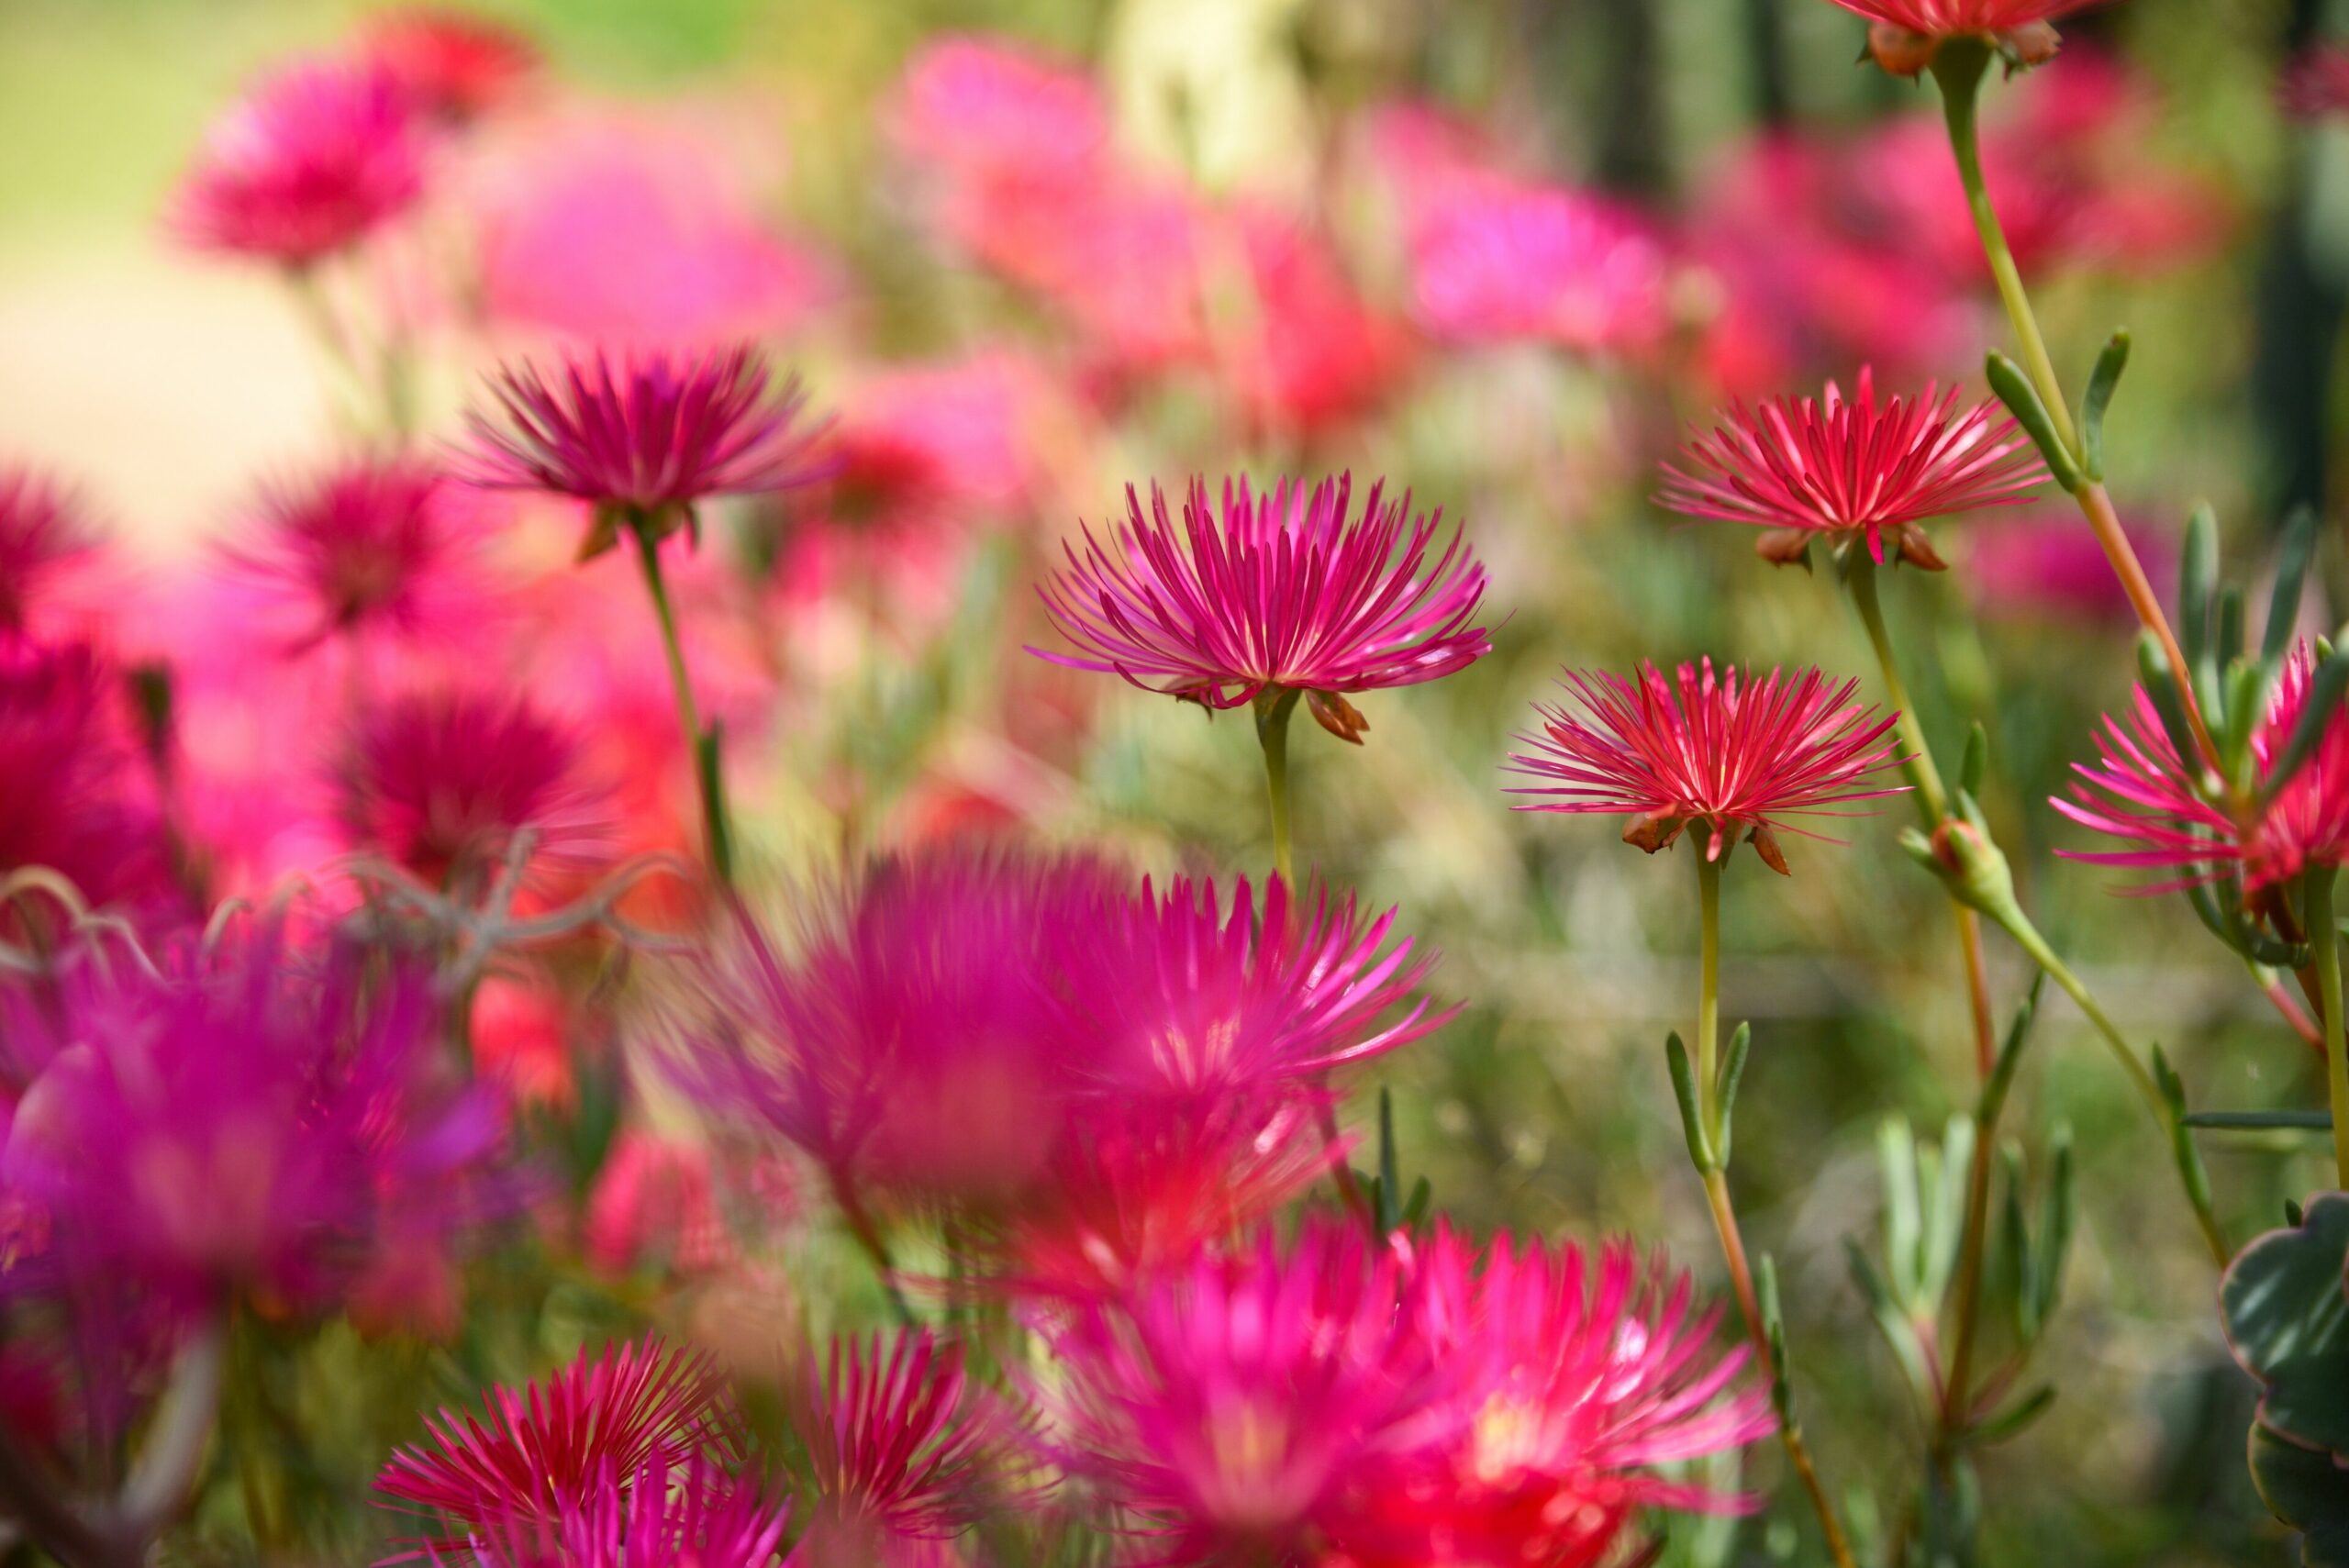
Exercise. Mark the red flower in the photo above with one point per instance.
(318, 157)
(44, 534)
(1808, 468)
(452, 62)
(903, 1442)
(365, 545)
(1700, 751)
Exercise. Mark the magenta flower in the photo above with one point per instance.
(1236, 1409)
(74, 794)
(1285, 591)
(1905, 35)
(903, 1445)
(443, 785)
(44, 535)
(545, 1452)
(2140, 791)
(455, 65)
(1189, 1005)
(694, 1512)
(1502, 261)
(1825, 468)
(257, 1124)
(364, 547)
(316, 158)
(643, 438)
(1734, 758)
(1580, 1377)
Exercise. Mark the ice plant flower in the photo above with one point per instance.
(2140, 791)
(1838, 469)
(664, 1511)
(44, 534)
(1190, 1004)
(1286, 590)
(904, 1444)
(442, 785)
(1905, 35)
(542, 1453)
(643, 437)
(453, 64)
(1734, 758)
(1237, 1408)
(364, 546)
(1506, 262)
(72, 796)
(319, 157)
(1581, 1376)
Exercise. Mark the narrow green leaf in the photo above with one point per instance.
(2262, 1121)
(1733, 1073)
(1894, 1324)
(2060, 1209)
(1904, 1220)
(1389, 1209)
(1976, 764)
(1415, 1212)
(2003, 1074)
(1773, 1334)
(1684, 1089)
(2154, 675)
(2009, 1422)
(2291, 576)
(2102, 383)
(2022, 401)
(2227, 642)
(2197, 578)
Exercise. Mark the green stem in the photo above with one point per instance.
(1932, 797)
(868, 1237)
(701, 743)
(2326, 937)
(1708, 1004)
(1273, 706)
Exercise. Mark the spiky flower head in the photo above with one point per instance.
(445, 783)
(1734, 758)
(643, 437)
(362, 546)
(1833, 469)
(44, 532)
(1286, 590)
(1235, 1407)
(545, 1453)
(1905, 35)
(316, 159)
(1580, 1377)
(2141, 791)
(696, 1513)
(453, 64)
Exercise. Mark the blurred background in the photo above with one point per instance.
(1500, 253)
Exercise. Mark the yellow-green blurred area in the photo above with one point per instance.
(166, 382)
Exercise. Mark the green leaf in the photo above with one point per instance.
(2291, 575)
(2184, 1155)
(2154, 675)
(1773, 1334)
(1977, 760)
(2102, 383)
(1904, 1217)
(1733, 1073)
(2262, 1121)
(2326, 688)
(2022, 401)
(1415, 1210)
(2059, 1211)
(2010, 1422)
(2002, 1074)
(2287, 1320)
(2307, 1489)
(1900, 1332)
(1684, 1089)
(1388, 1210)
(2197, 578)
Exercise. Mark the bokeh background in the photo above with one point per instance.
(1757, 214)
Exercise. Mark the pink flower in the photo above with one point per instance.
(1283, 590)
(656, 1199)
(1580, 1377)
(1825, 468)
(1906, 34)
(443, 785)
(632, 231)
(2051, 567)
(1523, 261)
(985, 108)
(2317, 84)
(45, 536)
(454, 63)
(363, 547)
(74, 792)
(2140, 791)
(1236, 1409)
(904, 1444)
(544, 1453)
(1735, 759)
(1187, 1006)
(665, 1511)
(652, 435)
(319, 156)
(258, 1122)
(922, 443)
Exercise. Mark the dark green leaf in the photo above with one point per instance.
(1732, 1074)
(2197, 578)
(2022, 401)
(2102, 383)
(2291, 575)
(1683, 1090)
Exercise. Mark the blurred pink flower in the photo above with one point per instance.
(2316, 85)
(457, 64)
(1522, 261)
(1235, 1409)
(918, 442)
(543, 1454)
(984, 108)
(656, 1201)
(1835, 470)
(1311, 352)
(46, 540)
(2141, 792)
(2051, 566)
(443, 784)
(1732, 759)
(1283, 590)
(314, 158)
(631, 233)
(651, 433)
(74, 795)
(903, 1442)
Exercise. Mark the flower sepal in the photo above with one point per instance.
(651, 524)
(1339, 717)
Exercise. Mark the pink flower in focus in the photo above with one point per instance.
(651, 436)
(316, 158)
(2140, 791)
(45, 536)
(1580, 1377)
(1283, 591)
(454, 63)
(1188, 1006)
(692, 1512)
(903, 1442)
(73, 795)
(632, 233)
(1734, 758)
(365, 547)
(1810, 468)
(1906, 34)
(1234, 1407)
(443, 785)
(542, 1453)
